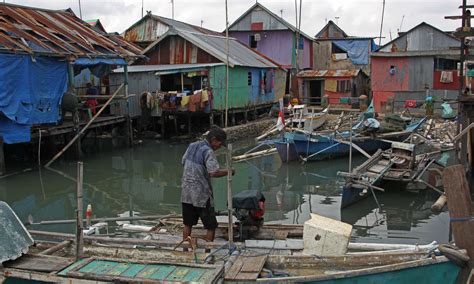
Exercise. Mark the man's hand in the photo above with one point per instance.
(221, 173)
(233, 171)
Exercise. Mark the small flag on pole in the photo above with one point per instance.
(281, 121)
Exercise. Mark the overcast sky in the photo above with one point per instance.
(355, 17)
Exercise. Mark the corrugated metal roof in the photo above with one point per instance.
(184, 26)
(169, 67)
(14, 238)
(55, 33)
(451, 53)
(239, 54)
(328, 73)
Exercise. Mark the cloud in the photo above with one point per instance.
(357, 18)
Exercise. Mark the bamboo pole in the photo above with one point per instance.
(350, 147)
(60, 153)
(227, 65)
(254, 154)
(108, 219)
(79, 225)
(229, 196)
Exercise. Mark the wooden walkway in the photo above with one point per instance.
(246, 268)
(68, 126)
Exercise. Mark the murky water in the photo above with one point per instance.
(146, 179)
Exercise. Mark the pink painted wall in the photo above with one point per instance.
(382, 80)
(380, 98)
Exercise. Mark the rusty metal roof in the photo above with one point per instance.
(56, 33)
(328, 73)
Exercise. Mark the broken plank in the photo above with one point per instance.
(235, 269)
(253, 263)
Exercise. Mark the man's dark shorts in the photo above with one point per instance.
(191, 214)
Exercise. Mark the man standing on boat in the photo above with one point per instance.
(197, 198)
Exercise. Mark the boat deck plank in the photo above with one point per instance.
(246, 267)
(42, 263)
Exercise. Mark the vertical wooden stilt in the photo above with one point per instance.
(254, 113)
(221, 116)
(246, 118)
(233, 118)
(189, 123)
(211, 119)
(79, 225)
(162, 123)
(2, 159)
(460, 208)
(175, 122)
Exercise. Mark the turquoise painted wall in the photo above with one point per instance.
(241, 95)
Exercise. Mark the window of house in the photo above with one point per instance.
(249, 78)
(301, 43)
(343, 86)
(445, 64)
(252, 41)
(336, 49)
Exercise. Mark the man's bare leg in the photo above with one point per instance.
(186, 234)
(210, 238)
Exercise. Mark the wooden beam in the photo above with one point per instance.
(460, 207)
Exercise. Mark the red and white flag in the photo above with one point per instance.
(281, 121)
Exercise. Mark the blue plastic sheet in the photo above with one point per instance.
(357, 49)
(30, 93)
(94, 61)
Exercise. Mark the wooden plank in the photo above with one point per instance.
(377, 168)
(178, 274)
(460, 206)
(133, 270)
(119, 269)
(148, 271)
(74, 266)
(163, 272)
(281, 235)
(253, 263)
(194, 275)
(235, 269)
(43, 263)
(101, 267)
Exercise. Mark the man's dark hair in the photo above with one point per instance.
(218, 133)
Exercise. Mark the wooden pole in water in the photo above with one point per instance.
(227, 65)
(229, 195)
(2, 159)
(350, 147)
(79, 224)
(460, 208)
(78, 135)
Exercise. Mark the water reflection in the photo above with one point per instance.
(146, 179)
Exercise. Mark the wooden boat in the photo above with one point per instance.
(115, 263)
(303, 119)
(381, 268)
(144, 260)
(399, 164)
(320, 146)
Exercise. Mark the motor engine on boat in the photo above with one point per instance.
(249, 209)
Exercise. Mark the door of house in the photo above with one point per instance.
(315, 93)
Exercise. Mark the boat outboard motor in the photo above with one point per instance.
(249, 208)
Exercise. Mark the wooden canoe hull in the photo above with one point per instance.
(428, 270)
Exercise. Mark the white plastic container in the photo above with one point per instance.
(325, 237)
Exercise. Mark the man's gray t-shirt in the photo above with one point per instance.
(199, 160)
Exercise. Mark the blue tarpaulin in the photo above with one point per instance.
(30, 93)
(94, 61)
(357, 49)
